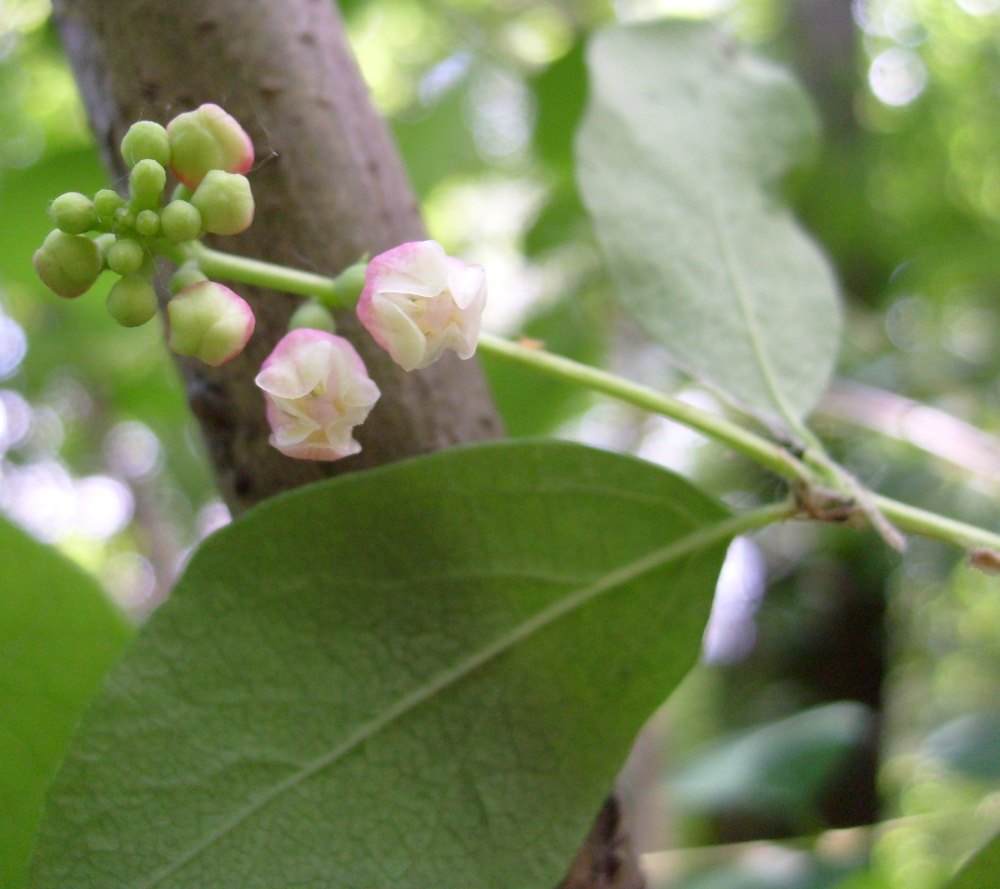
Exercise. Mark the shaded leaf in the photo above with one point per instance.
(59, 634)
(969, 744)
(680, 157)
(779, 768)
(423, 675)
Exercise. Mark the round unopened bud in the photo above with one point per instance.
(146, 140)
(68, 264)
(181, 192)
(225, 203)
(207, 139)
(210, 322)
(312, 315)
(132, 301)
(148, 268)
(147, 223)
(106, 202)
(125, 256)
(104, 243)
(146, 182)
(180, 221)
(73, 213)
(350, 282)
(123, 221)
(187, 274)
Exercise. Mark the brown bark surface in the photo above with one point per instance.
(329, 186)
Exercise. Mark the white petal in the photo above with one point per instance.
(467, 283)
(398, 334)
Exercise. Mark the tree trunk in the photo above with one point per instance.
(329, 187)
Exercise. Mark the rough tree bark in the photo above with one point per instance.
(329, 186)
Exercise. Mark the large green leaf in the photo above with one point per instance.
(58, 636)
(679, 159)
(424, 676)
(982, 870)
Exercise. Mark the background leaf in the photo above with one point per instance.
(981, 870)
(439, 694)
(779, 768)
(58, 636)
(680, 157)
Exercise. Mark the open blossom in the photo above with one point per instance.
(418, 301)
(317, 391)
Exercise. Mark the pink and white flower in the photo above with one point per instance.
(418, 301)
(317, 390)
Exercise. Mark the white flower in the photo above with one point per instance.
(418, 301)
(317, 390)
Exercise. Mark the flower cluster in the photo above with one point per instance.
(208, 152)
(415, 300)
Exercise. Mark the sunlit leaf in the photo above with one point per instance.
(680, 159)
(58, 636)
(423, 675)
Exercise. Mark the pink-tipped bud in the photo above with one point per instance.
(418, 301)
(209, 321)
(317, 391)
(207, 139)
(225, 203)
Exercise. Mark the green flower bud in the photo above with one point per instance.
(123, 221)
(350, 282)
(73, 213)
(313, 315)
(104, 243)
(225, 203)
(132, 301)
(181, 192)
(146, 140)
(147, 223)
(148, 268)
(106, 202)
(207, 139)
(68, 264)
(125, 257)
(180, 222)
(146, 182)
(189, 273)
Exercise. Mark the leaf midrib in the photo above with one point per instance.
(700, 539)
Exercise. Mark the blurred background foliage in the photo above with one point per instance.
(101, 457)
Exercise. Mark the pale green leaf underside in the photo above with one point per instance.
(680, 155)
(58, 636)
(423, 676)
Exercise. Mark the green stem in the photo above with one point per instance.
(768, 454)
(930, 524)
(217, 264)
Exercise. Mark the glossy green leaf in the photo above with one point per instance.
(982, 870)
(680, 158)
(426, 675)
(59, 634)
